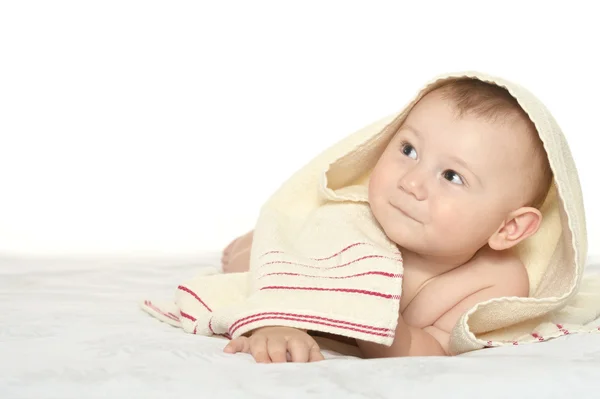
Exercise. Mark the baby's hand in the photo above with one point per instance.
(272, 345)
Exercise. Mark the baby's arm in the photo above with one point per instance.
(509, 279)
(408, 341)
(272, 345)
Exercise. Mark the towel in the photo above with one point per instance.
(320, 262)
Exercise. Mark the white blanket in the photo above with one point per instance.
(72, 329)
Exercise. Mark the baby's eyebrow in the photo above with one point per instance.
(459, 161)
(462, 163)
(412, 129)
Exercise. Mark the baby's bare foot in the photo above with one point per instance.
(227, 252)
(238, 262)
(236, 256)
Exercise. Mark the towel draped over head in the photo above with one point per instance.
(319, 260)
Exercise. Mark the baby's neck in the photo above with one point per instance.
(436, 265)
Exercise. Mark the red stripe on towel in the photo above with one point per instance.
(303, 316)
(384, 274)
(157, 310)
(347, 290)
(562, 329)
(192, 293)
(342, 251)
(537, 336)
(321, 259)
(285, 262)
(356, 244)
(187, 316)
(269, 253)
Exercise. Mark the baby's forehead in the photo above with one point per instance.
(435, 116)
(474, 138)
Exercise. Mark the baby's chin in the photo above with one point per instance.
(404, 239)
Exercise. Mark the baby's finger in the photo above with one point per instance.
(258, 349)
(298, 351)
(239, 344)
(276, 347)
(315, 354)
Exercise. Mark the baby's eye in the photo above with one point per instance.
(409, 150)
(453, 177)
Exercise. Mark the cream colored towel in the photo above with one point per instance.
(320, 262)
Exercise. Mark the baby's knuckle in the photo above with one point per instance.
(256, 337)
(297, 342)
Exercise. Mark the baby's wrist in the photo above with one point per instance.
(252, 332)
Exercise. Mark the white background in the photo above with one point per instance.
(159, 128)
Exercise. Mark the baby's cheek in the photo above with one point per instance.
(447, 216)
(377, 180)
(453, 225)
(373, 187)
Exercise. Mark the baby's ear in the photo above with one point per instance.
(519, 225)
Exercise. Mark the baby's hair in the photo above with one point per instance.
(496, 104)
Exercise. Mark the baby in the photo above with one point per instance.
(457, 188)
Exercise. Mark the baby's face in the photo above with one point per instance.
(444, 184)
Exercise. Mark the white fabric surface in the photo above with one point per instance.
(73, 329)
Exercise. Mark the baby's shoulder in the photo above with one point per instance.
(489, 275)
(502, 269)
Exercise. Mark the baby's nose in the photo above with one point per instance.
(413, 182)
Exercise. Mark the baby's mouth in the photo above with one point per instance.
(402, 211)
